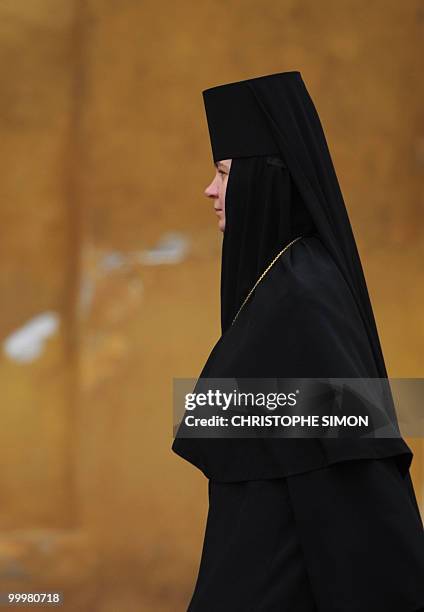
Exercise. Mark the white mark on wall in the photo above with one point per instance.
(114, 260)
(27, 343)
(99, 266)
(171, 248)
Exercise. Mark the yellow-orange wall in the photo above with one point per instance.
(104, 150)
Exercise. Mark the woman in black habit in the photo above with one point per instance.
(295, 524)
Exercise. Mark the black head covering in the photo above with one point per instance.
(275, 114)
(263, 212)
(311, 314)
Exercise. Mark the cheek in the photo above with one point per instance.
(224, 192)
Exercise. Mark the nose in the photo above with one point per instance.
(211, 190)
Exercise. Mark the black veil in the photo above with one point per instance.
(297, 129)
(264, 212)
(275, 113)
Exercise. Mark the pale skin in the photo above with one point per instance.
(217, 188)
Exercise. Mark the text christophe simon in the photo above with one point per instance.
(223, 401)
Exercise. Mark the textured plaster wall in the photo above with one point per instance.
(108, 239)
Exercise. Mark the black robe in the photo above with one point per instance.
(300, 322)
(309, 316)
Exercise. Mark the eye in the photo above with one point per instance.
(222, 172)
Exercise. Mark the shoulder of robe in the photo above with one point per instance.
(310, 279)
(309, 308)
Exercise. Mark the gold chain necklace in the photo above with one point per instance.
(263, 274)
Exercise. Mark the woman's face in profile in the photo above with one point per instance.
(217, 188)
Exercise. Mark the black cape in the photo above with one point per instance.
(310, 316)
